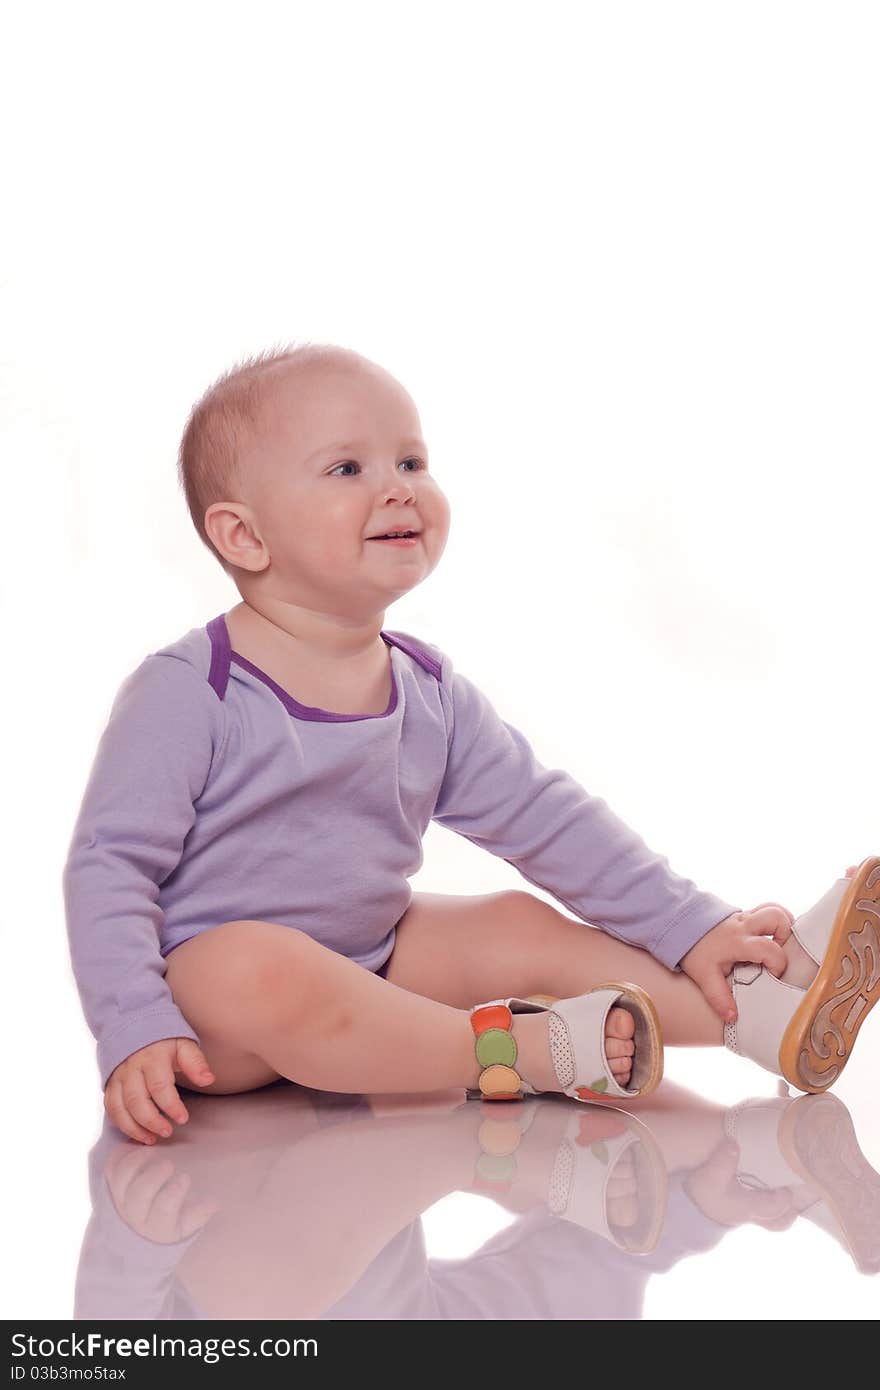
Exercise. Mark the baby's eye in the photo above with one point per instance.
(350, 463)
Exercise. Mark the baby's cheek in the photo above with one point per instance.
(436, 519)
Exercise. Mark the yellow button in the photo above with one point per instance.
(499, 1078)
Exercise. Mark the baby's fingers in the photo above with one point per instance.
(119, 1113)
(770, 917)
(712, 981)
(139, 1105)
(767, 926)
(193, 1062)
(160, 1084)
(763, 950)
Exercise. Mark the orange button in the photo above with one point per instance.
(491, 1016)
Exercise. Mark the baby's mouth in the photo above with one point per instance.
(396, 536)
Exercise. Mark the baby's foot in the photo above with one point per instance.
(535, 1063)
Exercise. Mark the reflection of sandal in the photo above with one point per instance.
(816, 1135)
(807, 1034)
(499, 1137)
(753, 1125)
(587, 1158)
(577, 1043)
(589, 1153)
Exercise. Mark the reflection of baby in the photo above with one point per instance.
(253, 1213)
(237, 889)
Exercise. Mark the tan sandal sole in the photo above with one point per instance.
(819, 1142)
(845, 989)
(648, 1019)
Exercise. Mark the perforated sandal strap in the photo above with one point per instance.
(577, 1045)
(764, 1007)
(576, 1031)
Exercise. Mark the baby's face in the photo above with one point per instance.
(342, 459)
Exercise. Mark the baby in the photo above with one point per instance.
(236, 889)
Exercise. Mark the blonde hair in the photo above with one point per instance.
(224, 421)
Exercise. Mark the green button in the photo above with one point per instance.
(496, 1045)
(496, 1167)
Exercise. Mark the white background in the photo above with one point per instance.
(624, 257)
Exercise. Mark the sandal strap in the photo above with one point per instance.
(813, 928)
(577, 1046)
(765, 1005)
(754, 1124)
(496, 1050)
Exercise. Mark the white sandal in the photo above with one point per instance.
(577, 1044)
(589, 1152)
(807, 1034)
(784, 1141)
(583, 1170)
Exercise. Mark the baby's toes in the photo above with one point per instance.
(620, 1068)
(619, 1024)
(619, 1045)
(619, 1052)
(622, 1192)
(622, 1211)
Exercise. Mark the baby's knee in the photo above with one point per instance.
(243, 970)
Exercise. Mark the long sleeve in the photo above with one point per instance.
(496, 794)
(151, 766)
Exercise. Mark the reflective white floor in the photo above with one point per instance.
(291, 1203)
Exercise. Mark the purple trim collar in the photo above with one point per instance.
(222, 655)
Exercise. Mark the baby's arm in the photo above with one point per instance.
(558, 836)
(150, 768)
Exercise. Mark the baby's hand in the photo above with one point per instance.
(154, 1197)
(147, 1076)
(756, 936)
(716, 1189)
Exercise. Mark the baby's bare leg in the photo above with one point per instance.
(267, 1000)
(465, 950)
